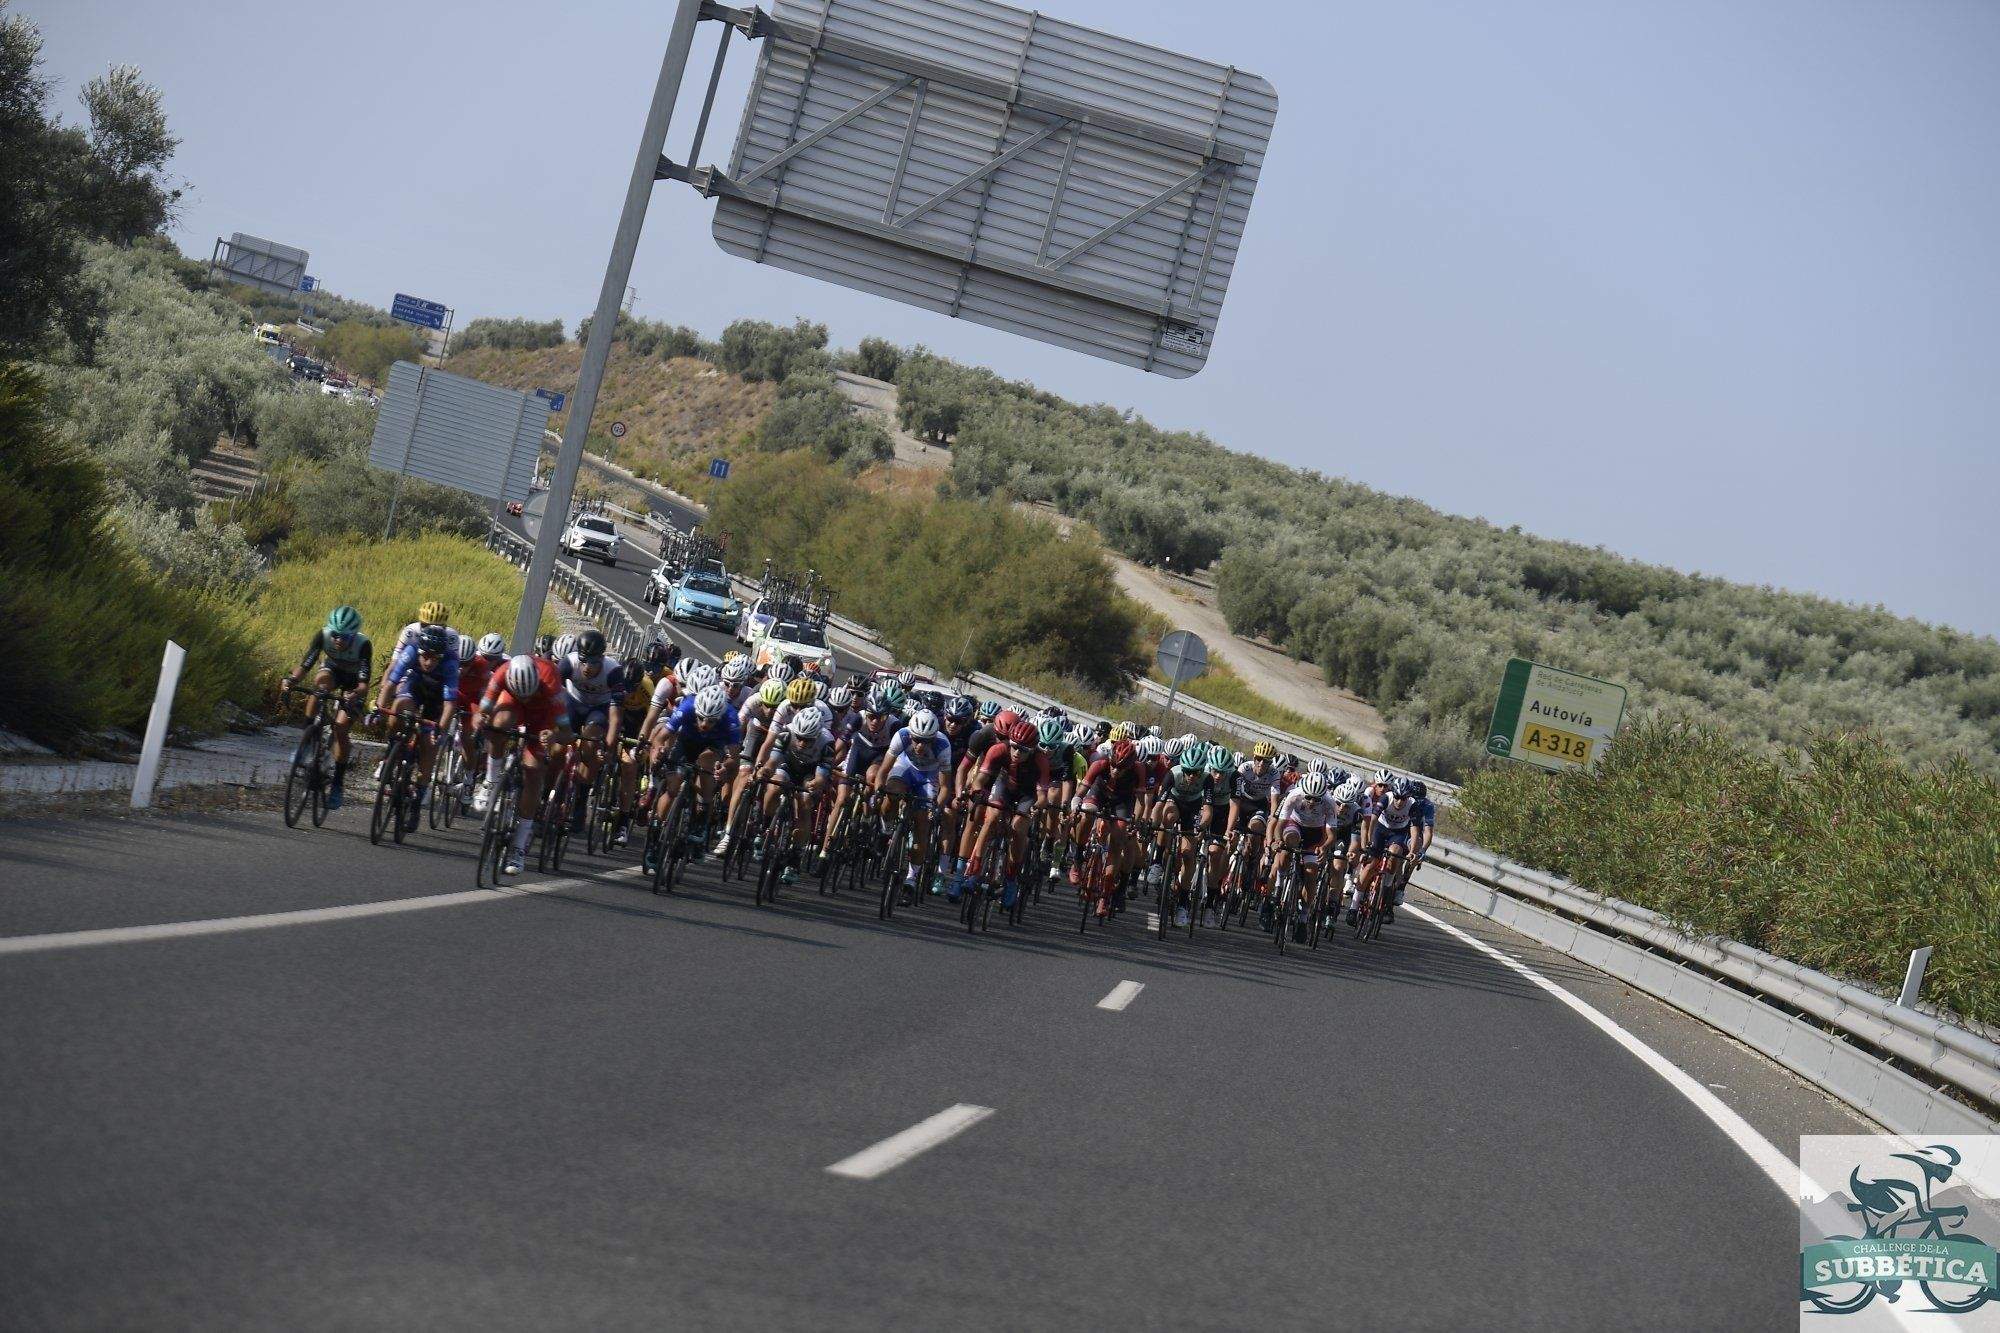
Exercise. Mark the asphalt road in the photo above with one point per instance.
(594, 1107)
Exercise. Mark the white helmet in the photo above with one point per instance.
(1321, 767)
(735, 671)
(1383, 777)
(523, 681)
(1149, 747)
(492, 646)
(1187, 738)
(780, 671)
(565, 645)
(698, 677)
(1174, 747)
(1348, 792)
(808, 722)
(923, 725)
(710, 701)
(465, 646)
(1312, 786)
(1084, 735)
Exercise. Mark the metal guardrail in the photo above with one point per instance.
(622, 633)
(1952, 1054)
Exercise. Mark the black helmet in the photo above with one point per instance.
(435, 639)
(1416, 789)
(545, 645)
(590, 645)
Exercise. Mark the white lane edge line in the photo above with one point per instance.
(897, 1149)
(229, 925)
(1121, 995)
(1780, 1169)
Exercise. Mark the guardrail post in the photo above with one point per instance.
(1913, 979)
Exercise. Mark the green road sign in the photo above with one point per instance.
(1552, 718)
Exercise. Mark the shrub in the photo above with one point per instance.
(877, 358)
(203, 555)
(760, 351)
(368, 350)
(811, 414)
(510, 335)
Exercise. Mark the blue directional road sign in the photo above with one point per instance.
(416, 310)
(718, 468)
(308, 284)
(553, 399)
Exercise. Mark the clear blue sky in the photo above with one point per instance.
(1710, 283)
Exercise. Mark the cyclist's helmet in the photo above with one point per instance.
(1004, 720)
(1288, 763)
(655, 656)
(1339, 776)
(908, 680)
(1083, 737)
(1022, 732)
(1124, 731)
(840, 698)
(1193, 758)
(492, 645)
(808, 722)
(1348, 792)
(894, 694)
(1321, 767)
(1155, 732)
(1220, 759)
(434, 639)
(1312, 786)
(923, 725)
(590, 645)
(698, 677)
(1051, 733)
(772, 692)
(780, 671)
(1399, 790)
(1263, 750)
(1189, 738)
(1103, 729)
(735, 671)
(1416, 789)
(710, 702)
(875, 703)
(1051, 710)
(523, 681)
(545, 645)
(989, 710)
(1149, 747)
(565, 645)
(1123, 753)
(463, 646)
(343, 622)
(1173, 748)
(434, 613)
(801, 691)
(1383, 777)
(959, 708)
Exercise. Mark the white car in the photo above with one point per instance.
(594, 536)
(792, 638)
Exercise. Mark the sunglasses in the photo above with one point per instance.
(340, 640)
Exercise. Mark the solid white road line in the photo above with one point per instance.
(892, 1152)
(229, 925)
(1782, 1171)
(1121, 995)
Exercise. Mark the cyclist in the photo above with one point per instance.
(641, 679)
(755, 719)
(1185, 813)
(917, 763)
(1112, 787)
(1305, 820)
(1221, 765)
(1389, 840)
(1011, 777)
(862, 751)
(346, 659)
(475, 672)
(527, 694)
(841, 712)
(594, 689)
(424, 678)
(701, 735)
(430, 613)
(1253, 796)
(1350, 811)
(796, 768)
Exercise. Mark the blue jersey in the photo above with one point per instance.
(409, 677)
(727, 730)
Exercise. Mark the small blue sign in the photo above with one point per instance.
(416, 310)
(718, 468)
(308, 284)
(555, 400)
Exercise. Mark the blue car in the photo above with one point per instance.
(703, 596)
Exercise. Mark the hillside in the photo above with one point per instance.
(679, 412)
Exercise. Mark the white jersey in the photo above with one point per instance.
(1305, 811)
(1395, 814)
(601, 691)
(927, 757)
(1254, 786)
(786, 749)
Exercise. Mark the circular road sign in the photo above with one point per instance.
(1182, 656)
(617, 430)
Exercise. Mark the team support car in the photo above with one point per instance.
(703, 598)
(592, 535)
(798, 640)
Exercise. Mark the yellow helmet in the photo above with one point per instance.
(1263, 750)
(1124, 731)
(732, 655)
(802, 691)
(434, 613)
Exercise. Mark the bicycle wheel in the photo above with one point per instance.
(304, 775)
(1197, 890)
(777, 848)
(893, 865)
(1281, 916)
(1956, 1297)
(993, 891)
(494, 830)
(670, 831)
(386, 806)
(453, 778)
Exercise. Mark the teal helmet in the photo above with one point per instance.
(343, 620)
(1220, 760)
(894, 695)
(1194, 758)
(1051, 733)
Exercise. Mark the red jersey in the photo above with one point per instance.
(538, 713)
(476, 673)
(1026, 772)
(1121, 784)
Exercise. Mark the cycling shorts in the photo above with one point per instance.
(861, 756)
(1247, 810)
(1384, 836)
(583, 714)
(1311, 837)
(430, 707)
(687, 746)
(1000, 797)
(796, 772)
(343, 678)
(1191, 817)
(1099, 803)
(918, 781)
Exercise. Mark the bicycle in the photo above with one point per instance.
(552, 835)
(1941, 1293)
(441, 803)
(496, 830)
(310, 774)
(666, 837)
(1098, 890)
(898, 860)
(396, 812)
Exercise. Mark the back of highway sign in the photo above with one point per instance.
(1000, 166)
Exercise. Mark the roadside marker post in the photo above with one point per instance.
(148, 773)
(1182, 657)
